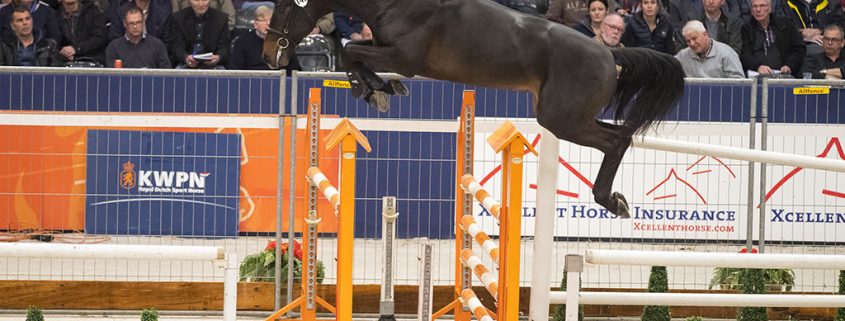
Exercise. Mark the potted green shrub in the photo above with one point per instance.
(34, 314)
(560, 310)
(753, 282)
(840, 312)
(150, 314)
(775, 280)
(658, 282)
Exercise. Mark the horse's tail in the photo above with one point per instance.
(649, 85)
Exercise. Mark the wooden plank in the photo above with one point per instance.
(258, 296)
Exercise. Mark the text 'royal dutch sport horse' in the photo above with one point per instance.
(479, 42)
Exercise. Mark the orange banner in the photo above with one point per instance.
(42, 177)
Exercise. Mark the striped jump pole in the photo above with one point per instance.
(481, 271)
(317, 178)
(471, 301)
(471, 186)
(490, 247)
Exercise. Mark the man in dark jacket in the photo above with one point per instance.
(829, 64)
(721, 25)
(43, 19)
(83, 27)
(811, 17)
(771, 44)
(198, 37)
(155, 12)
(26, 47)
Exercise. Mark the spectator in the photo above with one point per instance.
(198, 37)
(350, 28)
(43, 19)
(612, 29)
(629, 7)
(829, 64)
(325, 25)
(591, 24)
(83, 28)
(649, 28)
(3, 3)
(247, 50)
(705, 57)
(155, 13)
(223, 5)
(137, 49)
(570, 12)
(810, 17)
(721, 25)
(771, 44)
(26, 46)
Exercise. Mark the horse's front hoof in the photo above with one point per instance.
(380, 100)
(398, 87)
(622, 210)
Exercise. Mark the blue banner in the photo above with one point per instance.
(162, 183)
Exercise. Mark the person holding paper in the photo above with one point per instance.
(198, 37)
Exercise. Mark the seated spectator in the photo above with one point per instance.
(629, 7)
(26, 46)
(350, 28)
(829, 64)
(721, 25)
(155, 12)
(83, 28)
(3, 3)
(195, 32)
(810, 17)
(649, 28)
(226, 6)
(771, 44)
(591, 24)
(570, 12)
(43, 19)
(136, 49)
(325, 26)
(705, 57)
(612, 29)
(247, 50)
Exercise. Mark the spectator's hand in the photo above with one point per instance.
(356, 36)
(215, 59)
(764, 70)
(812, 35)
(68, 52)
(315, 31)
(785, 70)
(366, 33)
(191, 62)
(622, 12)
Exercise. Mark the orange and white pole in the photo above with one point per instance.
(471, 301)
(469, 225)
(481, 271)
(316, 177)
(471, 186)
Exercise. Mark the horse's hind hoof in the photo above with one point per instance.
(380, 100)
(622, 210)
(398, 87)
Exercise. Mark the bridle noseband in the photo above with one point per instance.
(283, 42)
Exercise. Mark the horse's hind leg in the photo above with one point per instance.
(571, 118)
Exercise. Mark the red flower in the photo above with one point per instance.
(271, 246)
(745, 250)
(297, 250)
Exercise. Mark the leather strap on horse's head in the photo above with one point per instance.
(283, 42)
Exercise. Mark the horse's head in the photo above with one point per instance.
(292, 20)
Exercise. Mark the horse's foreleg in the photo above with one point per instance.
(365, 83)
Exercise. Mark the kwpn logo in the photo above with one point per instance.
(831, 144)
(697, 168)
(128, 177)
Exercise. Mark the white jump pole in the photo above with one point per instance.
(751, 155)
(544, 226)
(715, 259)
(703, 299)
(230, 288)
(111, 251)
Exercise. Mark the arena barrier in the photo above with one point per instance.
(347, 137)
(138, 252)
(572, 297)
(505, 289)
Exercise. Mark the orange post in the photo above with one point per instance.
(512, 144)
(348, 137)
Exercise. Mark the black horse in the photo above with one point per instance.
(482, 43)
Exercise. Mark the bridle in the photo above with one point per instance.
(283, 42)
